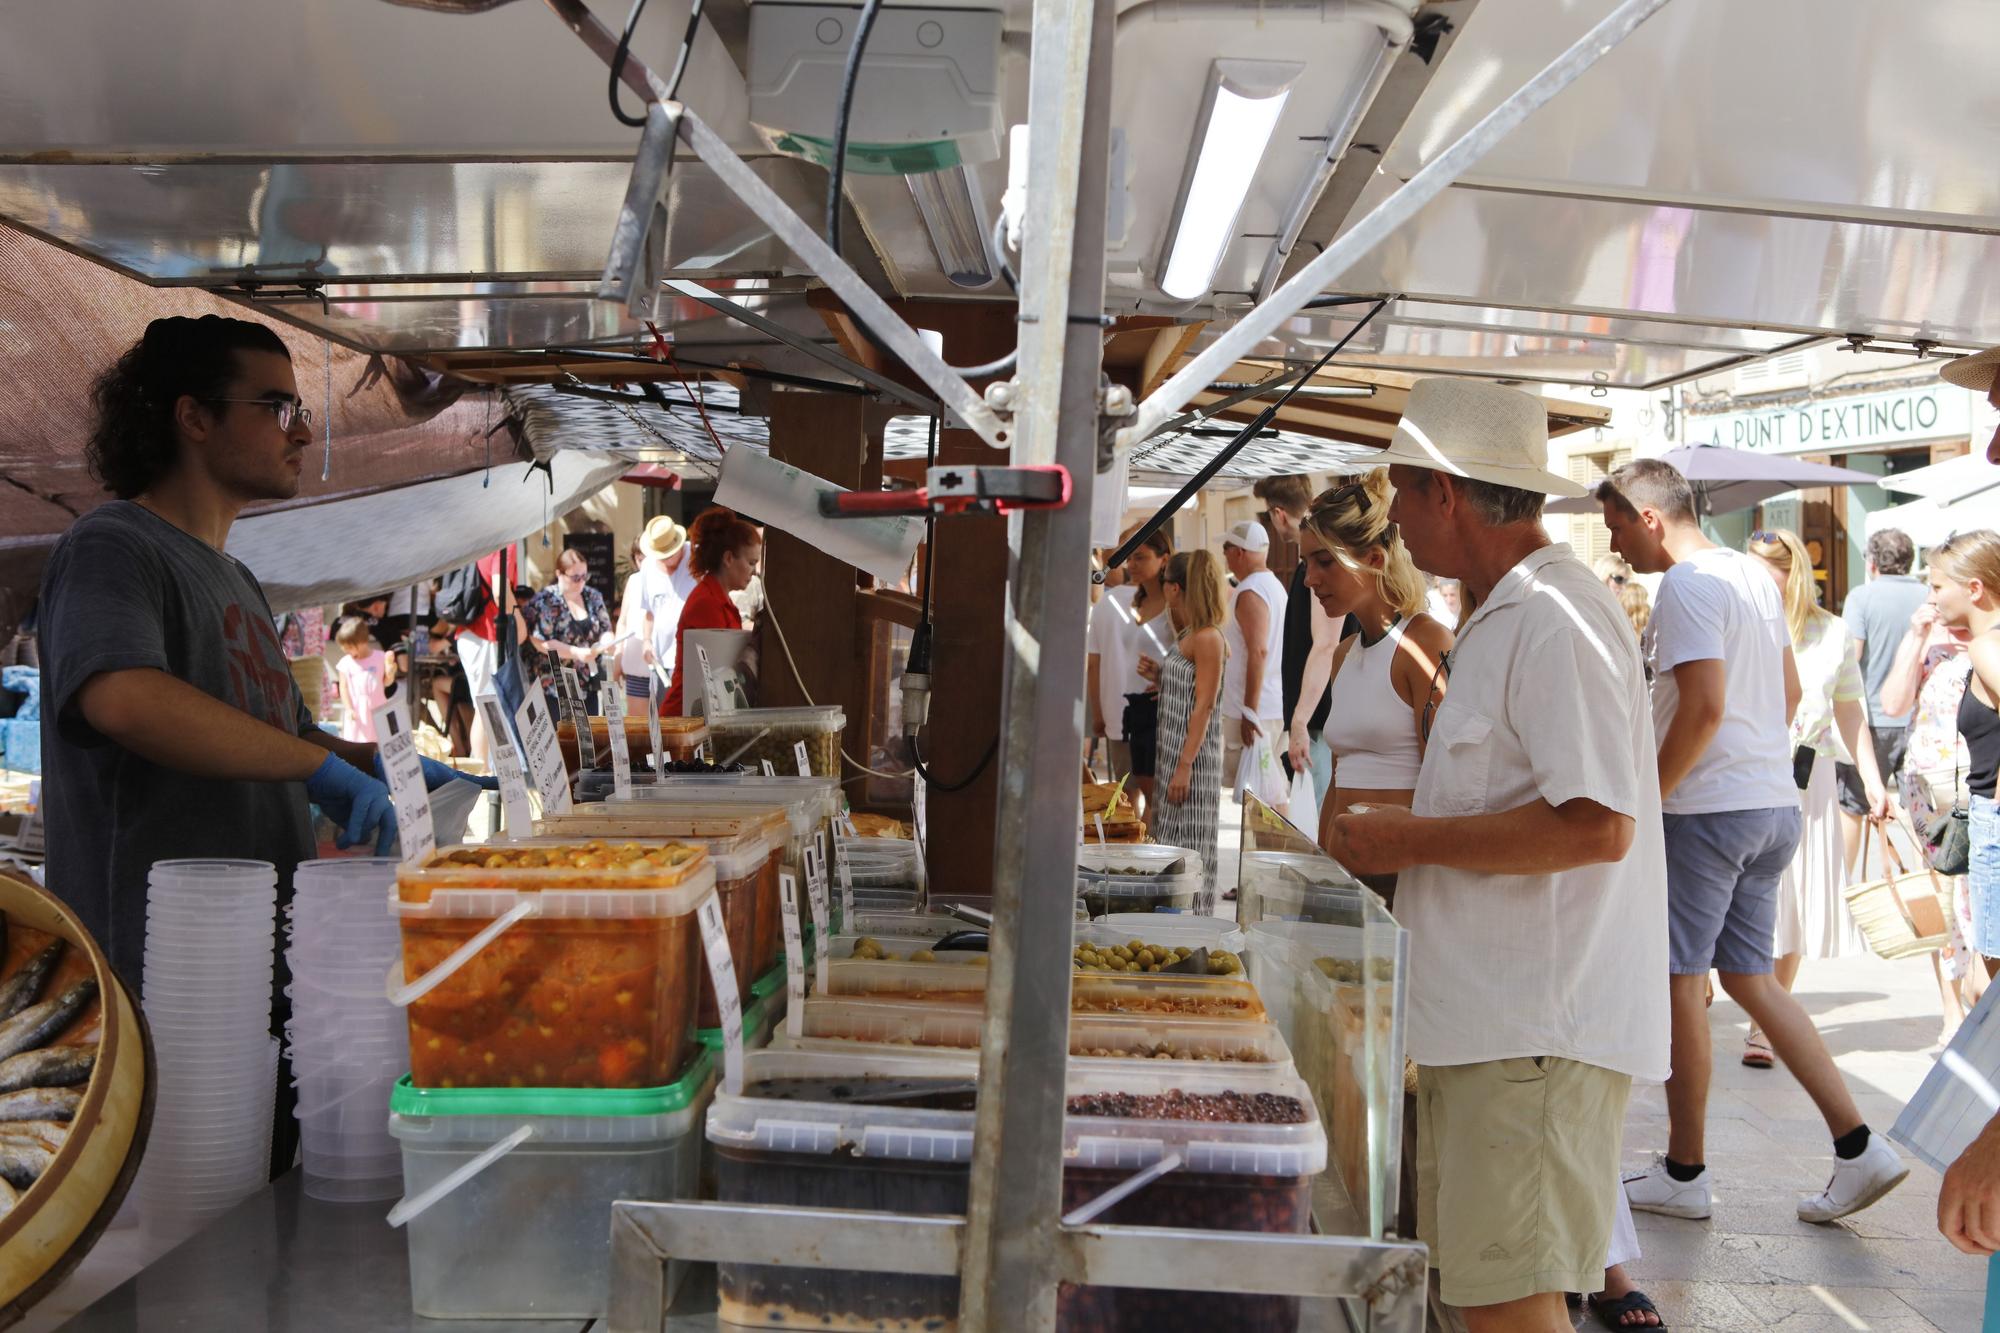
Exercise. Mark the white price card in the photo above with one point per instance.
(544, 756)
(816, 892)
(805, 760)
(795, 958)
(846, 869)
(578, 716)
(919, 816)
(711, 697)
(816, 874)
(655, 687)
(621, 745)
(405, 773)
(520, 815)
(722, 975)
(769, 772)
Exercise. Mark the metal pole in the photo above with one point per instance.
(1387, 216)
(1011, 1258)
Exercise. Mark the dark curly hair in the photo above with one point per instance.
(132, 443)
(715, 533)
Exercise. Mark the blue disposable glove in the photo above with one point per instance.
(355, 801)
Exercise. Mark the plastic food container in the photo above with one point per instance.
(638, 740)
(799, 1136)
(1191, 929)
(471, 1256)
(791, 819)
(1137, 878)
(891, 1024)
(1297, 886)
(589, 980)
(754, 735)
(1235, 1175)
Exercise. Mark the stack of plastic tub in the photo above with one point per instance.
(210, 940)
(1146, 877)
(348, 1043)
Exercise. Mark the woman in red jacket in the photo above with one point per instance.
(727, 552)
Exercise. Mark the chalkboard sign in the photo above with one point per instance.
(597, 548)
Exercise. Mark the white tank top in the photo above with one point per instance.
(1270, 704)
(1369, 727)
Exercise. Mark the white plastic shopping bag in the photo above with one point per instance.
(1259, 774)
(1303, 807)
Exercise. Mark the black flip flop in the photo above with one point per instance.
(1610, 1313)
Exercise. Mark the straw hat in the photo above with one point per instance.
(1477, 430)
(662, 538)
(1975, 372)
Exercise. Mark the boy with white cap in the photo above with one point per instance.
(1253, 690)
(1532, 874)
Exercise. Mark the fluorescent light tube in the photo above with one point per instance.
(1245, 98)
(944, 199)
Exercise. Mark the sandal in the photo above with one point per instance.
(1612, 1313)
(1757, 1055)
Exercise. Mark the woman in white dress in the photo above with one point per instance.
(1829, 726)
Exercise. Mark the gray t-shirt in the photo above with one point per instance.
(1878, 613)
(125, 588)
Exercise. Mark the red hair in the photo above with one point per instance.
(714, 534)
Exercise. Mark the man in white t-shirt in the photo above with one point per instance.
(1253, 690)
(1530, 872)
(1725, 686)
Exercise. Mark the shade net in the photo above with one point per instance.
(63, 318)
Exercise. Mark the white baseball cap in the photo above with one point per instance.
(1249, 534)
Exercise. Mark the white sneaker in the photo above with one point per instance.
(1654, 1191)
(1856, 1184)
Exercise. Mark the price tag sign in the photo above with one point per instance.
(769, 772)
(621, 745)
(846, 869)
(805, 760)
(406, 785)
(655, 691)
(1100, 829)
(816, 892)
(795, 958)
(570, 690)
(545, 765)
(520, 816)
(711, 697)
(922, 823)
(722, 975)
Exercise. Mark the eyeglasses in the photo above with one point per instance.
(1765, 538)
(576, 575)
(287, 410)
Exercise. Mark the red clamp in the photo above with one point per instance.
(958, 490)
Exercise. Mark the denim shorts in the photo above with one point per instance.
(1983, 875)
(1722, 887)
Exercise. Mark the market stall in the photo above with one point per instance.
(681, 1045)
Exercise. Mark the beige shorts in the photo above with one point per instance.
(1517, 1175)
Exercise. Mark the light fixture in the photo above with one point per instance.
(951, 216)
(1239, 112)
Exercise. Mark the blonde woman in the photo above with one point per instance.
(1386, 677)
(1965, 589)
(1829, 727)
(1188, 806)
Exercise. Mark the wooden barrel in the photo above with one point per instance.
(62, 1215)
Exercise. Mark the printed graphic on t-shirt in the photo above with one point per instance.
(260, 680)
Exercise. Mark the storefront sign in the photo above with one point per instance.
(1841, 425)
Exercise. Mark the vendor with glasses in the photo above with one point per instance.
(568, 621)
(172, 727)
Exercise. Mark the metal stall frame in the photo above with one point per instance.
(1011, 1251)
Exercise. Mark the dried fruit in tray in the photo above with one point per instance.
(1139, 956)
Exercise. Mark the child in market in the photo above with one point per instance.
(365, 674)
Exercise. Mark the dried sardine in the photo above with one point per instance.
(25, 986)
(43, 1023)
(50, 1134)
(50, 1067)
(40, 1104)
(22, 1161)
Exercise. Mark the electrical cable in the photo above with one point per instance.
(618, 65)
(687, 51)
(977, 770)
(837, 169)
(806, 694)
(1000, 252)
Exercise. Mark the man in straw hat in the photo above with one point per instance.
(1981, 374)
(664, 580)
(1533, 880)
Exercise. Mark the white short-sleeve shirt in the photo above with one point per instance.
(1547, 700)
(1723, 605)
(1112, 646)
